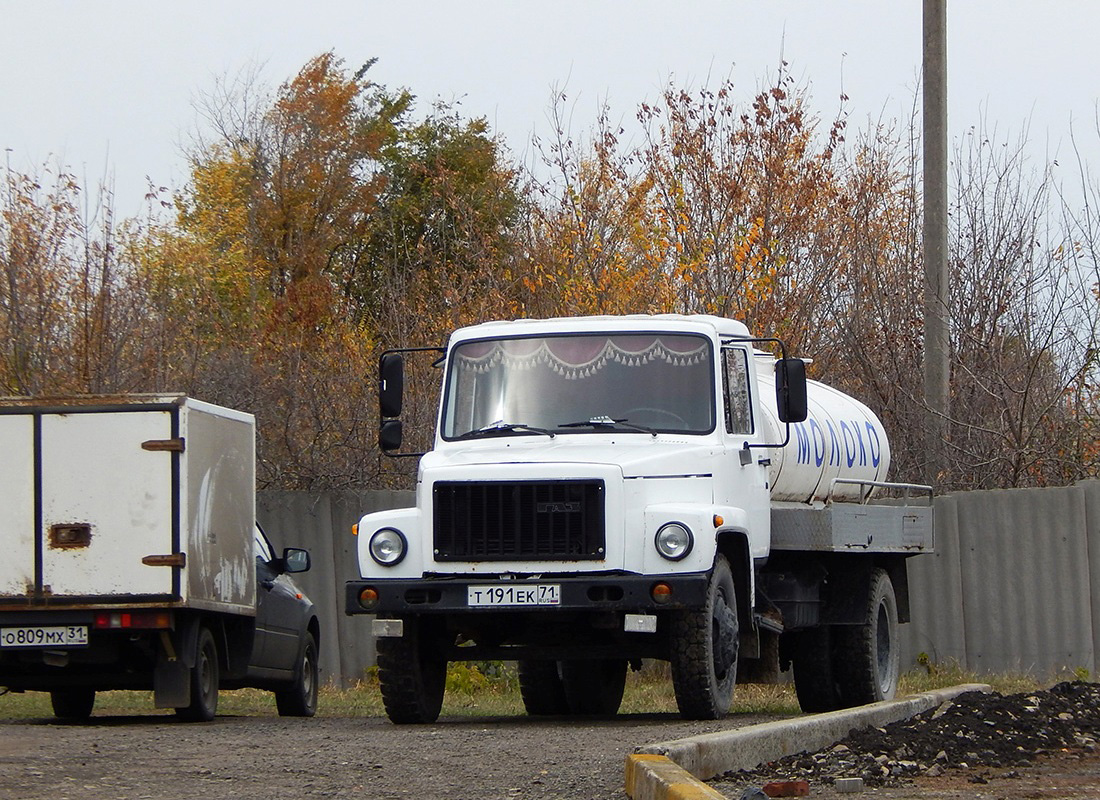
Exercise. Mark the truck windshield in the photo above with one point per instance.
(633, 383)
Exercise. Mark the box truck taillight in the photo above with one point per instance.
(133, 619)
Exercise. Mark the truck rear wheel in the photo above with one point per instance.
(867, 657)
(72, 704)
(412, 674)
(594, 687)
(541, 687)
(703, 650)
(204, 681)
(300, 700)
(812, 664)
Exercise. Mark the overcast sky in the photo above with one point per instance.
(107, 87)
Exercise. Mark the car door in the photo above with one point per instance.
(279, 604)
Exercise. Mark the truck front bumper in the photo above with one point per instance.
(606, 592)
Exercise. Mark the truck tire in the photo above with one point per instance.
(867, 657)
(703, 650)
(300, 700)
(812, 664)
(542, 689)
(412, 675)
(594, 688)
(72, 704)
(204, 681)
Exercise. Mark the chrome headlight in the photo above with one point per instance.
(674, 541)
(388, 546)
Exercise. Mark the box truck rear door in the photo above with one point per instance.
(16, 505)
(107, 503)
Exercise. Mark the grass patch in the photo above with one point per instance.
(491, 689)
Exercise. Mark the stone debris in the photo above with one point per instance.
(974, 730)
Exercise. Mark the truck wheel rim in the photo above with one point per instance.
(723, 624)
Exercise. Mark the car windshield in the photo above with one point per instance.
(634, 383)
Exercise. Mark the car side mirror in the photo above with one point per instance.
(295, 559)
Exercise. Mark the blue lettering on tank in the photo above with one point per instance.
(819, 442)
(803, 443)
(849, 443)
(874, 443)
(834, 441)
(862, 448)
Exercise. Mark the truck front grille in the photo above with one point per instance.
(519, 520)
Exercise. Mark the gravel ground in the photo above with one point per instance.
(1028, 745)
(258, 758)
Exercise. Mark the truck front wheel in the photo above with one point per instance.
(812, 663)
(73, 704)
(867, 657)
(412, 674)
(703, 650)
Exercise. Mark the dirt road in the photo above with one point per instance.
(261, 758)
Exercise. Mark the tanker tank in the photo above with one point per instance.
(840, 438)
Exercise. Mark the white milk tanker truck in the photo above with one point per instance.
(604, 490)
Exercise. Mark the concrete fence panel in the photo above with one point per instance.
(937, 628)
(322, 523)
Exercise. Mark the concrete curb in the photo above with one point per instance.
(702, 757)
(650, 777)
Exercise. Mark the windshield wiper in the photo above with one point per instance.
(605, 421)
(500, 426)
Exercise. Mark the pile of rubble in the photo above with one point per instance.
(973, 730)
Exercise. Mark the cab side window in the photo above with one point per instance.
(735, 371)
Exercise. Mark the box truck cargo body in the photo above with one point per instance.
(128, 527)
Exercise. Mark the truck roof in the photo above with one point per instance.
(688, 323)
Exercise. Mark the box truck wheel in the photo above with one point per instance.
(204, 681)
(703, 650)
(72, 703)
(541, 688)
(412, 674)
(812, 664)
(300, 700)
(594, 687)
(867, 657)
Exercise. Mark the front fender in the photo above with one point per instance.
(408, 522)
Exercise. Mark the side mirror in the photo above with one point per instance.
(295, 559)
(790, 389)
(390, 435)
(391, 386)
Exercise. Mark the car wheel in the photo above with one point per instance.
(300, 700)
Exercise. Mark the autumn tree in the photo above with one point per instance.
(437, 247)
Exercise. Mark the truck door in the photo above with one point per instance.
(747, 486)
(106, 503)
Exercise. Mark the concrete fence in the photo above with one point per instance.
(1014, 584)
(1009, 588)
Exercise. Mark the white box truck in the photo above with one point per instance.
(608, 489)
(132, 559)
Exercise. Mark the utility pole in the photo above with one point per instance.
(937, 309)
